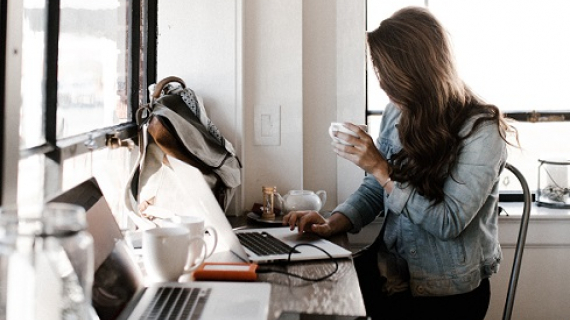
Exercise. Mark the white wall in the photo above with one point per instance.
(273, 76)
(11, 122)
(199, 41)
(305, 57)
(351, 85)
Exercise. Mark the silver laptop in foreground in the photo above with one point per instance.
(306, 246)
(119, 291)
(200, 301)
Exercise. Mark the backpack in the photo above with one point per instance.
(175, 123)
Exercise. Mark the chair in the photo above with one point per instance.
(521, 240)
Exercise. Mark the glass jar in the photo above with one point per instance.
(47, 263)
(553, 183)
(8, 231)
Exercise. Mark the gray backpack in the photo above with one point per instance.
(175, 123)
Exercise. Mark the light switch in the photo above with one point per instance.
(267, 125)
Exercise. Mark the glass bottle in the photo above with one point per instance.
(8, 232)
(49, 263)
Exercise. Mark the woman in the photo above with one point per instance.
(434, 172)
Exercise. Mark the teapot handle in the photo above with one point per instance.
(323, 195)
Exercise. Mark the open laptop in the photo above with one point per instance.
(238, 240)
(119, 291)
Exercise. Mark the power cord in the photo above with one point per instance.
(264, 269)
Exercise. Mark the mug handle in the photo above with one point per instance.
(214, 233)
(189, 267)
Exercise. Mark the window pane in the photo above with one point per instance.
(373, 122)
(33, 47)
(512, 53)
(544, 140)
(111, 168)
(92, 68)
(31, 180)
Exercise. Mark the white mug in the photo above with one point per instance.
(340, 127)
(196, 227)
(165, 252)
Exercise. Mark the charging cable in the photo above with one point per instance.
(266, 269)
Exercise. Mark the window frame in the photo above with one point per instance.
(141, 71)
(520, 116)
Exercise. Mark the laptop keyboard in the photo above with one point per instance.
(177, 303)
(264, 244)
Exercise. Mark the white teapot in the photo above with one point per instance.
(302, 200)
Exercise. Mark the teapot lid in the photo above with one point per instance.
(299, 192)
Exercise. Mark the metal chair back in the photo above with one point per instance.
(521, 241)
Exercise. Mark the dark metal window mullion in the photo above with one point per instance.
(150, 38)
(134, 57)
(53, 169)
(50, 77)
(538, 116)
(3, 28)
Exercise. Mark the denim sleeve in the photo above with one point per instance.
(364, 204)
(480, 161)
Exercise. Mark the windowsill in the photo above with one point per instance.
(515, 209)
(547, 229)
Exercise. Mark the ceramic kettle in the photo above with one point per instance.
(302, 200)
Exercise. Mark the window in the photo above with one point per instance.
(84, 65)
(512, 54)
(92, 66)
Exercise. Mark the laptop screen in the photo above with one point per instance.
(117, 276)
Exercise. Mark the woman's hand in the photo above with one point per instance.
(312, 221)
(363, 152)
(308, 221)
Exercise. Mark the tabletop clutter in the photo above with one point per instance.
(274, 204)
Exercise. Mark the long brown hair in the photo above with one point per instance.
(414, 63)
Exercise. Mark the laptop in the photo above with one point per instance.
(119, 291)
(250, 245)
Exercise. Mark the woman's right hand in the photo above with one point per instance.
(363, 152)
(308, 221)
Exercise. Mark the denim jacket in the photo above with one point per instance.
(449, 247)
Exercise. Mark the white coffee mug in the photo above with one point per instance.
(165, 252)
(197, 228)
(340, 127)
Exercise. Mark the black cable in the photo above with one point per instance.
(271, 270)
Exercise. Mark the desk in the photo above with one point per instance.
(339, 295)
